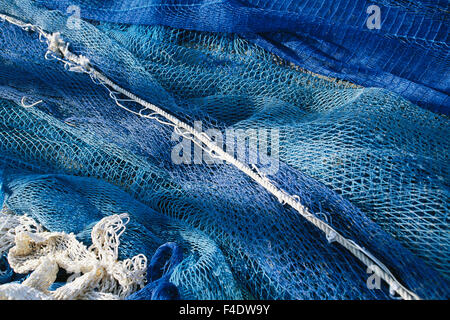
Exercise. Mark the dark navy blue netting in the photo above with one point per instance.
(408, 55)
(6, 273)
(367, 161)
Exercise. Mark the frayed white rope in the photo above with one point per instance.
(12, 225)
(96, 271)
(60, 51)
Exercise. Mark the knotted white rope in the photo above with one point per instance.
(96, 271)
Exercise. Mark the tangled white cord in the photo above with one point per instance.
(96, 271)
(60, 50)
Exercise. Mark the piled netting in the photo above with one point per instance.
(231, 225)
(272, 251)
(386, 156)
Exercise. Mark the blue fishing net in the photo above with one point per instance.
(365, 160)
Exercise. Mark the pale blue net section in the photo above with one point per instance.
(370, 163)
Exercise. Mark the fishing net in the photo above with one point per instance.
(74, 151)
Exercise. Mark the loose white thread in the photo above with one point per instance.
(22, 101)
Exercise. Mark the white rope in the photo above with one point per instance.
(29, 105)
(97, 272)
(60, 50)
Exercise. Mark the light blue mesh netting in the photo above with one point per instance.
(77, 157)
